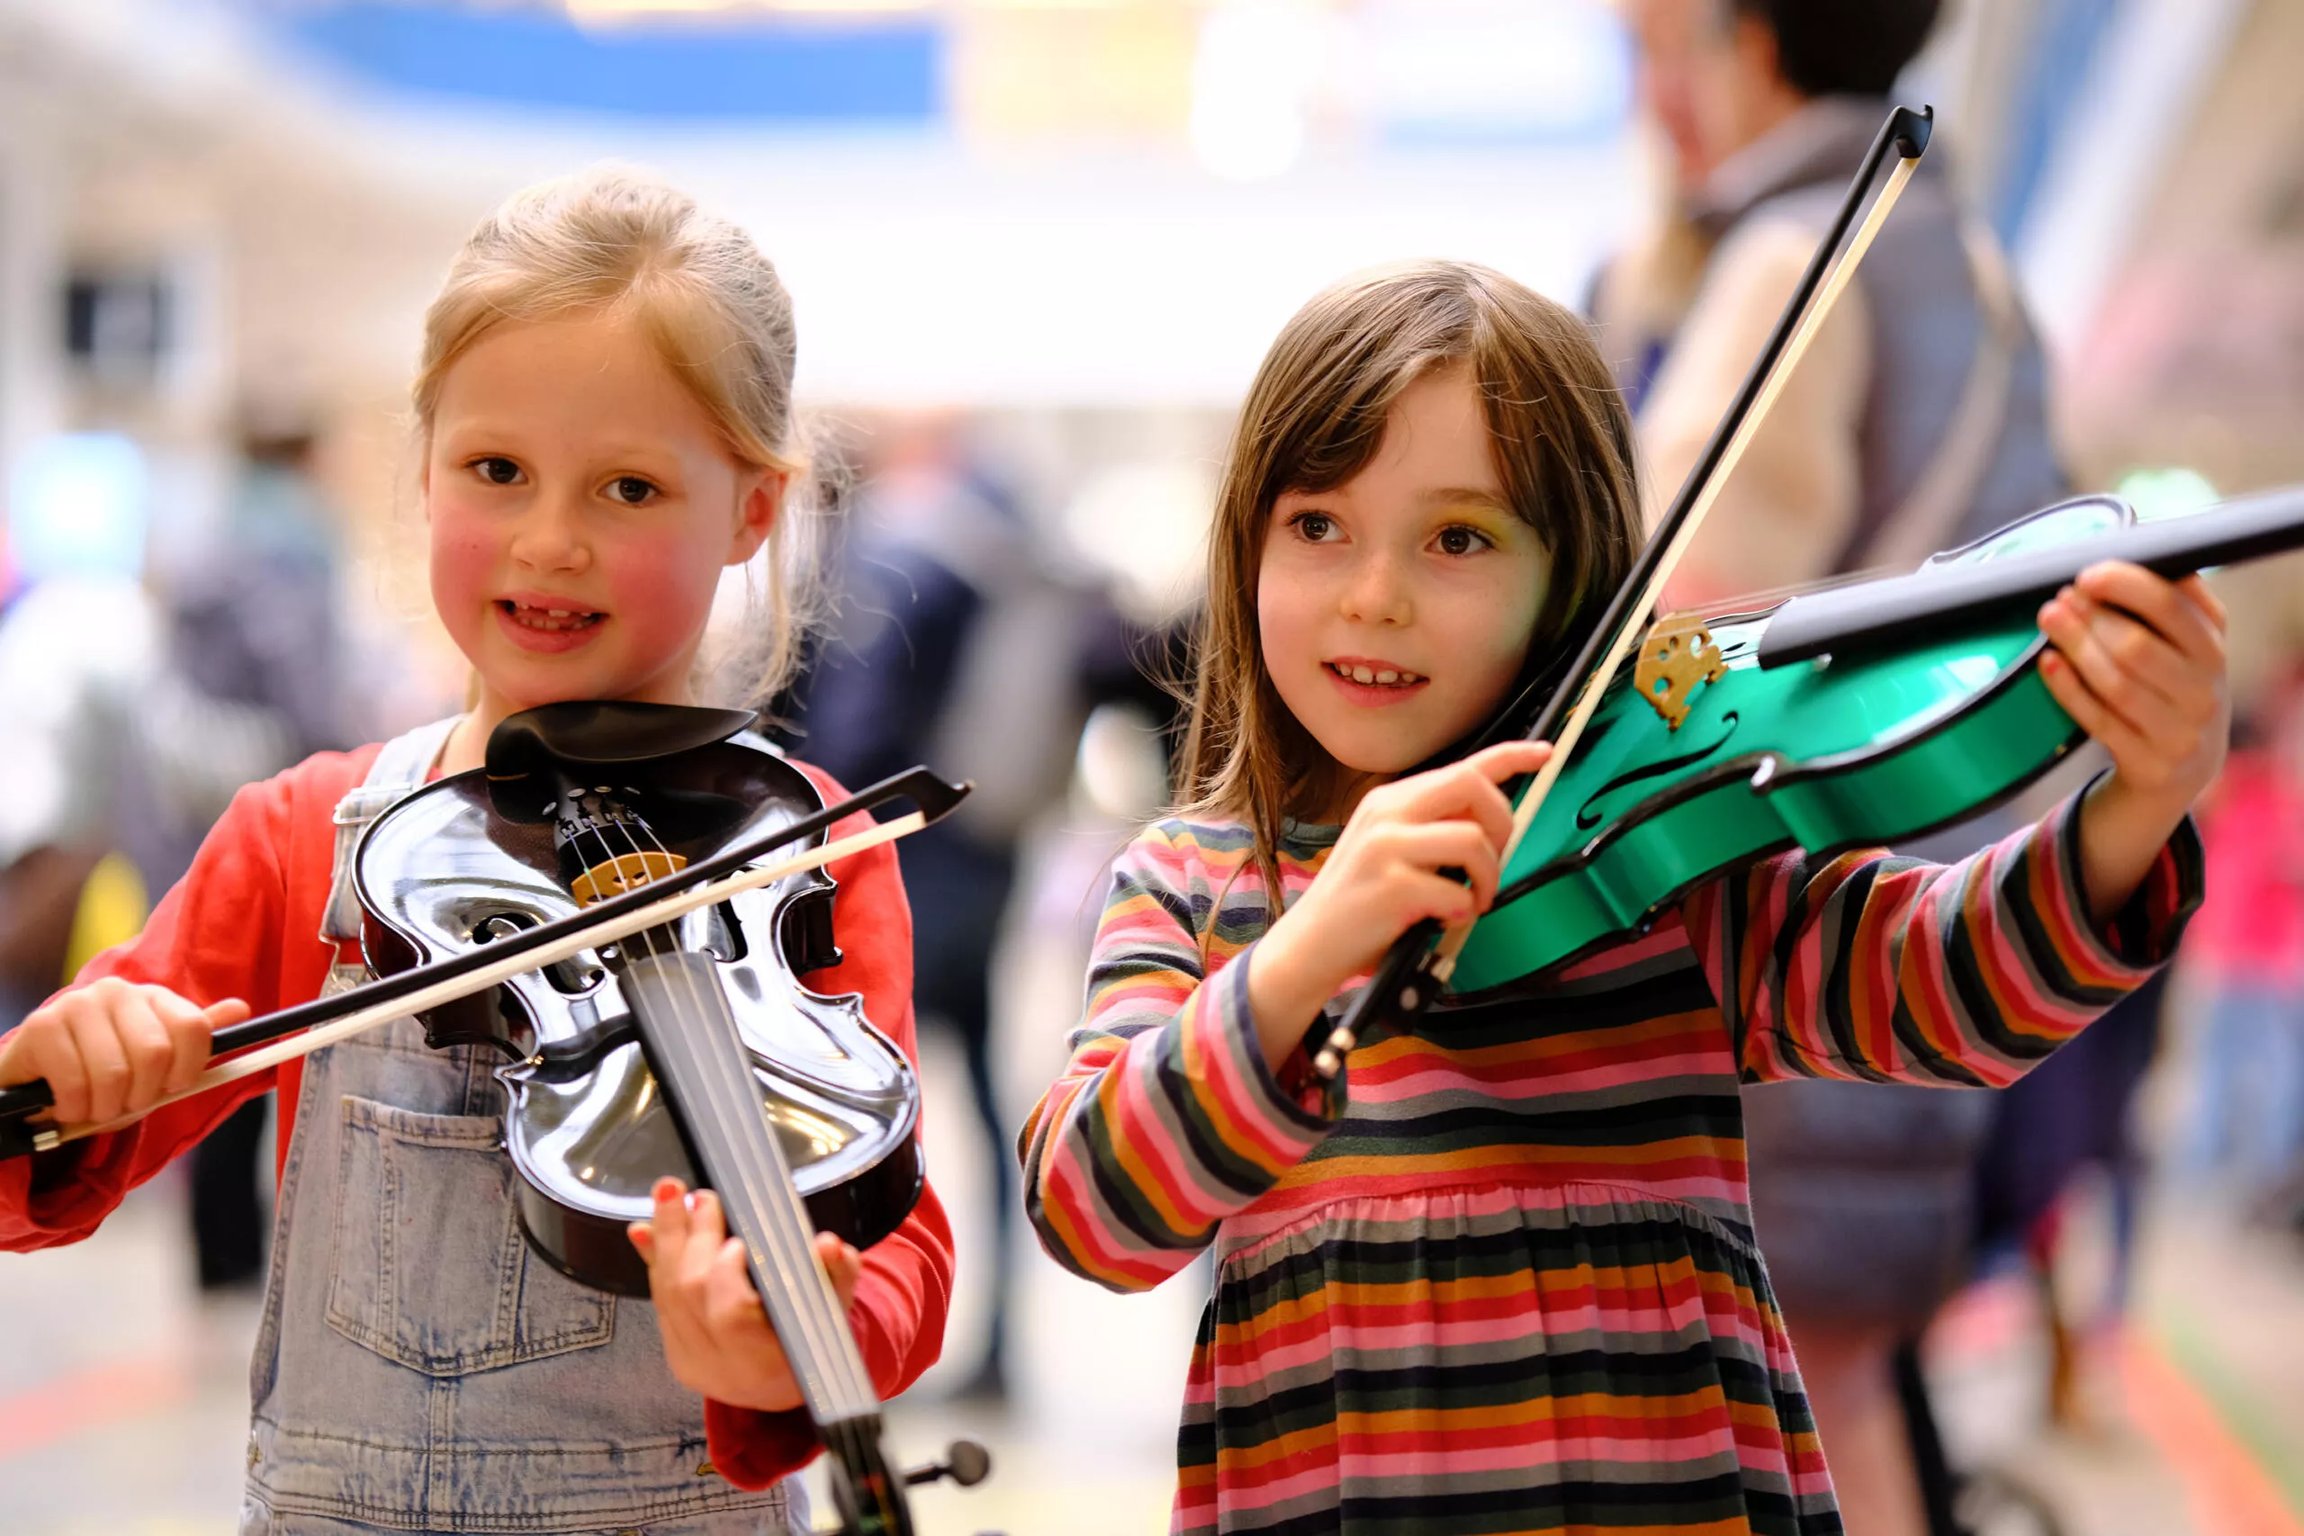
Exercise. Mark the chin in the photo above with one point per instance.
(1390, 757)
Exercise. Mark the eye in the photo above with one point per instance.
(496, 469)
(1312, 527)
(632, 490)
(1460, 539)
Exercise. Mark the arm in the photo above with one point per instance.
(1786, 512)
(1167, 1118)
(216, 936)
(1871, 967)
(905, 1288)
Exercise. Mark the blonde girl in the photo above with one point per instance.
(1502, 1275)
(606, 424)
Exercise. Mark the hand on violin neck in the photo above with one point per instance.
(716, 1337)
(2139, 663)
(1386, 874)
(113, 1048)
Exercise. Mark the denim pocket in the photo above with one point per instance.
(431, 1269)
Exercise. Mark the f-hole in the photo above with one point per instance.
(567, 977)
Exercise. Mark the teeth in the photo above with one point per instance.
(551, 618)
(1384, 677)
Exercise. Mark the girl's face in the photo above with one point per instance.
(1396, 609)
(581, 505)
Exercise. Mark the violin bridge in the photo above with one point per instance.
(613, 877)
(1678, 654)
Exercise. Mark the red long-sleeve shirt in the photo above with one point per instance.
(245, 922)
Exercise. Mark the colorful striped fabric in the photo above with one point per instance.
(1507, 1281)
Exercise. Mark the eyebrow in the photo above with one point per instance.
(1461, 496)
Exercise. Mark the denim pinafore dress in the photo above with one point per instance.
(418, 1369)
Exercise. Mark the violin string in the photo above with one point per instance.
(833, 1348)
(649, 947)
(801, 1275)
(785, 1262)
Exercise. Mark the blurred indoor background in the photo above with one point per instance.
(1036, 247)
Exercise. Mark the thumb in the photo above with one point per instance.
(232, 1010)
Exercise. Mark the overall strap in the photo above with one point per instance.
(401, 767)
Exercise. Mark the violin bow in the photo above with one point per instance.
(703, 883)
(1419, 964)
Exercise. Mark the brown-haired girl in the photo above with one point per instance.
(605, 405)
(1501, 1276)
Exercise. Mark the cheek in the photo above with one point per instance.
(1492, 632)
(659, 586)
(1280, 626)
(462, 562)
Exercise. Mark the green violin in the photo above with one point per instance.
(1853, 716)
(1859, 715)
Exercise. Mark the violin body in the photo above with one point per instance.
(587, 1126)
(1828, 753)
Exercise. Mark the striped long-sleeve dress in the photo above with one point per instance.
(1505, 1279)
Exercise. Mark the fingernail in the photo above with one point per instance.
(689, 1200)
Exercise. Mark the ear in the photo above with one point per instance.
(756, 513)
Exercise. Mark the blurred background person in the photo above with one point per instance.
(958, 644)
(1916, 422)
(2245, 955)
(135, 702)
(252, 630)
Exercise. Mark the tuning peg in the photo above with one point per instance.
(965, 1463)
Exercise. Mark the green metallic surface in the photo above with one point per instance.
(1824, 755)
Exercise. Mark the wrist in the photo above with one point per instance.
(2122, 830)
(1287, 988)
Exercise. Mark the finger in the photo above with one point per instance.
(189, 1030)
(232, 1010)
(843, 1266)
(97, 1033)
(731, 1304)
(2148, 657)
(1509, 759)
(2063, 621)
(2155, 601)
(2091, 714)
(148, 1047)
(643, 1242)
(1453, 790)
(678, 1316)
(669, 1222)
(2196, 588)
(1429, 847)
(706, 1232)
(56, 1059)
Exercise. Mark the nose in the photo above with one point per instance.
(1376, 591)
(549, 535)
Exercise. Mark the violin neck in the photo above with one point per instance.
(693, 1046)
(1868, 614)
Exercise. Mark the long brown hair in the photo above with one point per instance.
(1314, 418)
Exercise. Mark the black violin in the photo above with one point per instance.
(586, 905)
(579, 802)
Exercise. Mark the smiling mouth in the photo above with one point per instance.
(548, 620)
(1379, 677)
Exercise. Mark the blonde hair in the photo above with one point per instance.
(617, 242)
(1313, 419)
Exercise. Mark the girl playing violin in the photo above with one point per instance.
(605, 417)
(1500, 1274)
